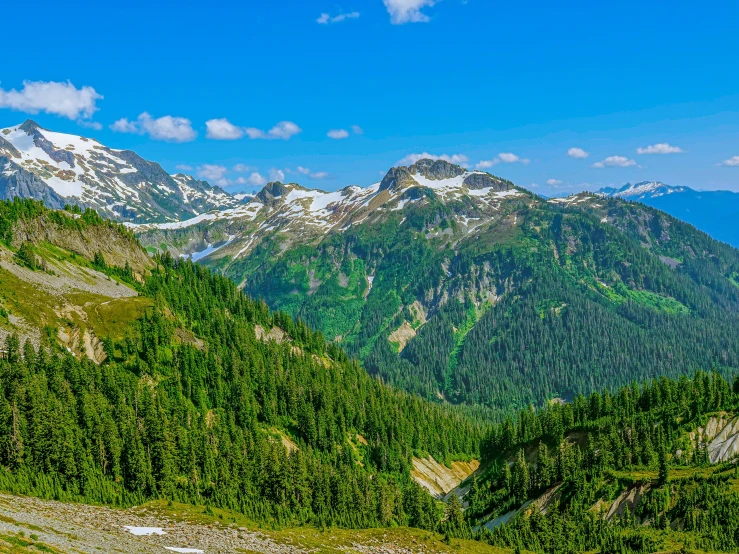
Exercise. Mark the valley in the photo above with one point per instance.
(568, 367)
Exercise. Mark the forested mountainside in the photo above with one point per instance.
(457, 285)
(60, 169)
(648, 468)
(713, 211)
(198, 393)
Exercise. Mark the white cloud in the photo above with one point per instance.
(410, 159)
(222, 129)
(212, 172)
(325, 18)
(554, 182)
(89, 124)
(407, 11)
(51, 97)
(509, 158)
(578, 153)
(337, 134)
(183, 167)
(660, 148)
(123, 125)
(487, 164)
(731, 162)
(243, 168)
(614, 161)
(167, 128)
(505, 157)
(256, 179)
(218, 175)
(276, 175)
(283, 130)
(313, 175)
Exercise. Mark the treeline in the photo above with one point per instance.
(192, 406)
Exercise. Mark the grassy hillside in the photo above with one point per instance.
(68, 277)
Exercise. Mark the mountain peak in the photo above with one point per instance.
(440, 173)
(397, 178)
(275, 190)
(29, 125)
(436, 169)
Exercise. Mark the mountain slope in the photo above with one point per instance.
(458, 285)
(198, 394)
(61, 169)
(633, 471)
(68, 278)
(715, 212)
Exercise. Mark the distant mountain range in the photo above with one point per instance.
(64, 169)
(715, 212)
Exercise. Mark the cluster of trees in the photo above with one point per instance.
(193, 406)
(27, 257)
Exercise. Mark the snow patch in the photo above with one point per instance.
(197, 256)
(144, 531)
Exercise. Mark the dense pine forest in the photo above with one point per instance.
(191, 405)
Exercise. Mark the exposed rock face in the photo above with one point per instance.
(402, 335)
(9, 149)
(397, 179)
(477, 181)
(720, 436)
(58, 155)
(437, 478)
(627, 500)
(272, 192)
(725, 445)
(276, 334)
(24, 184)
(436, 170)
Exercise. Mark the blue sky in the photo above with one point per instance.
(510, 87)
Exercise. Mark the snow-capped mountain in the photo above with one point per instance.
(716, 212)
(61, 169)
(640, 191)
(302, 215)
